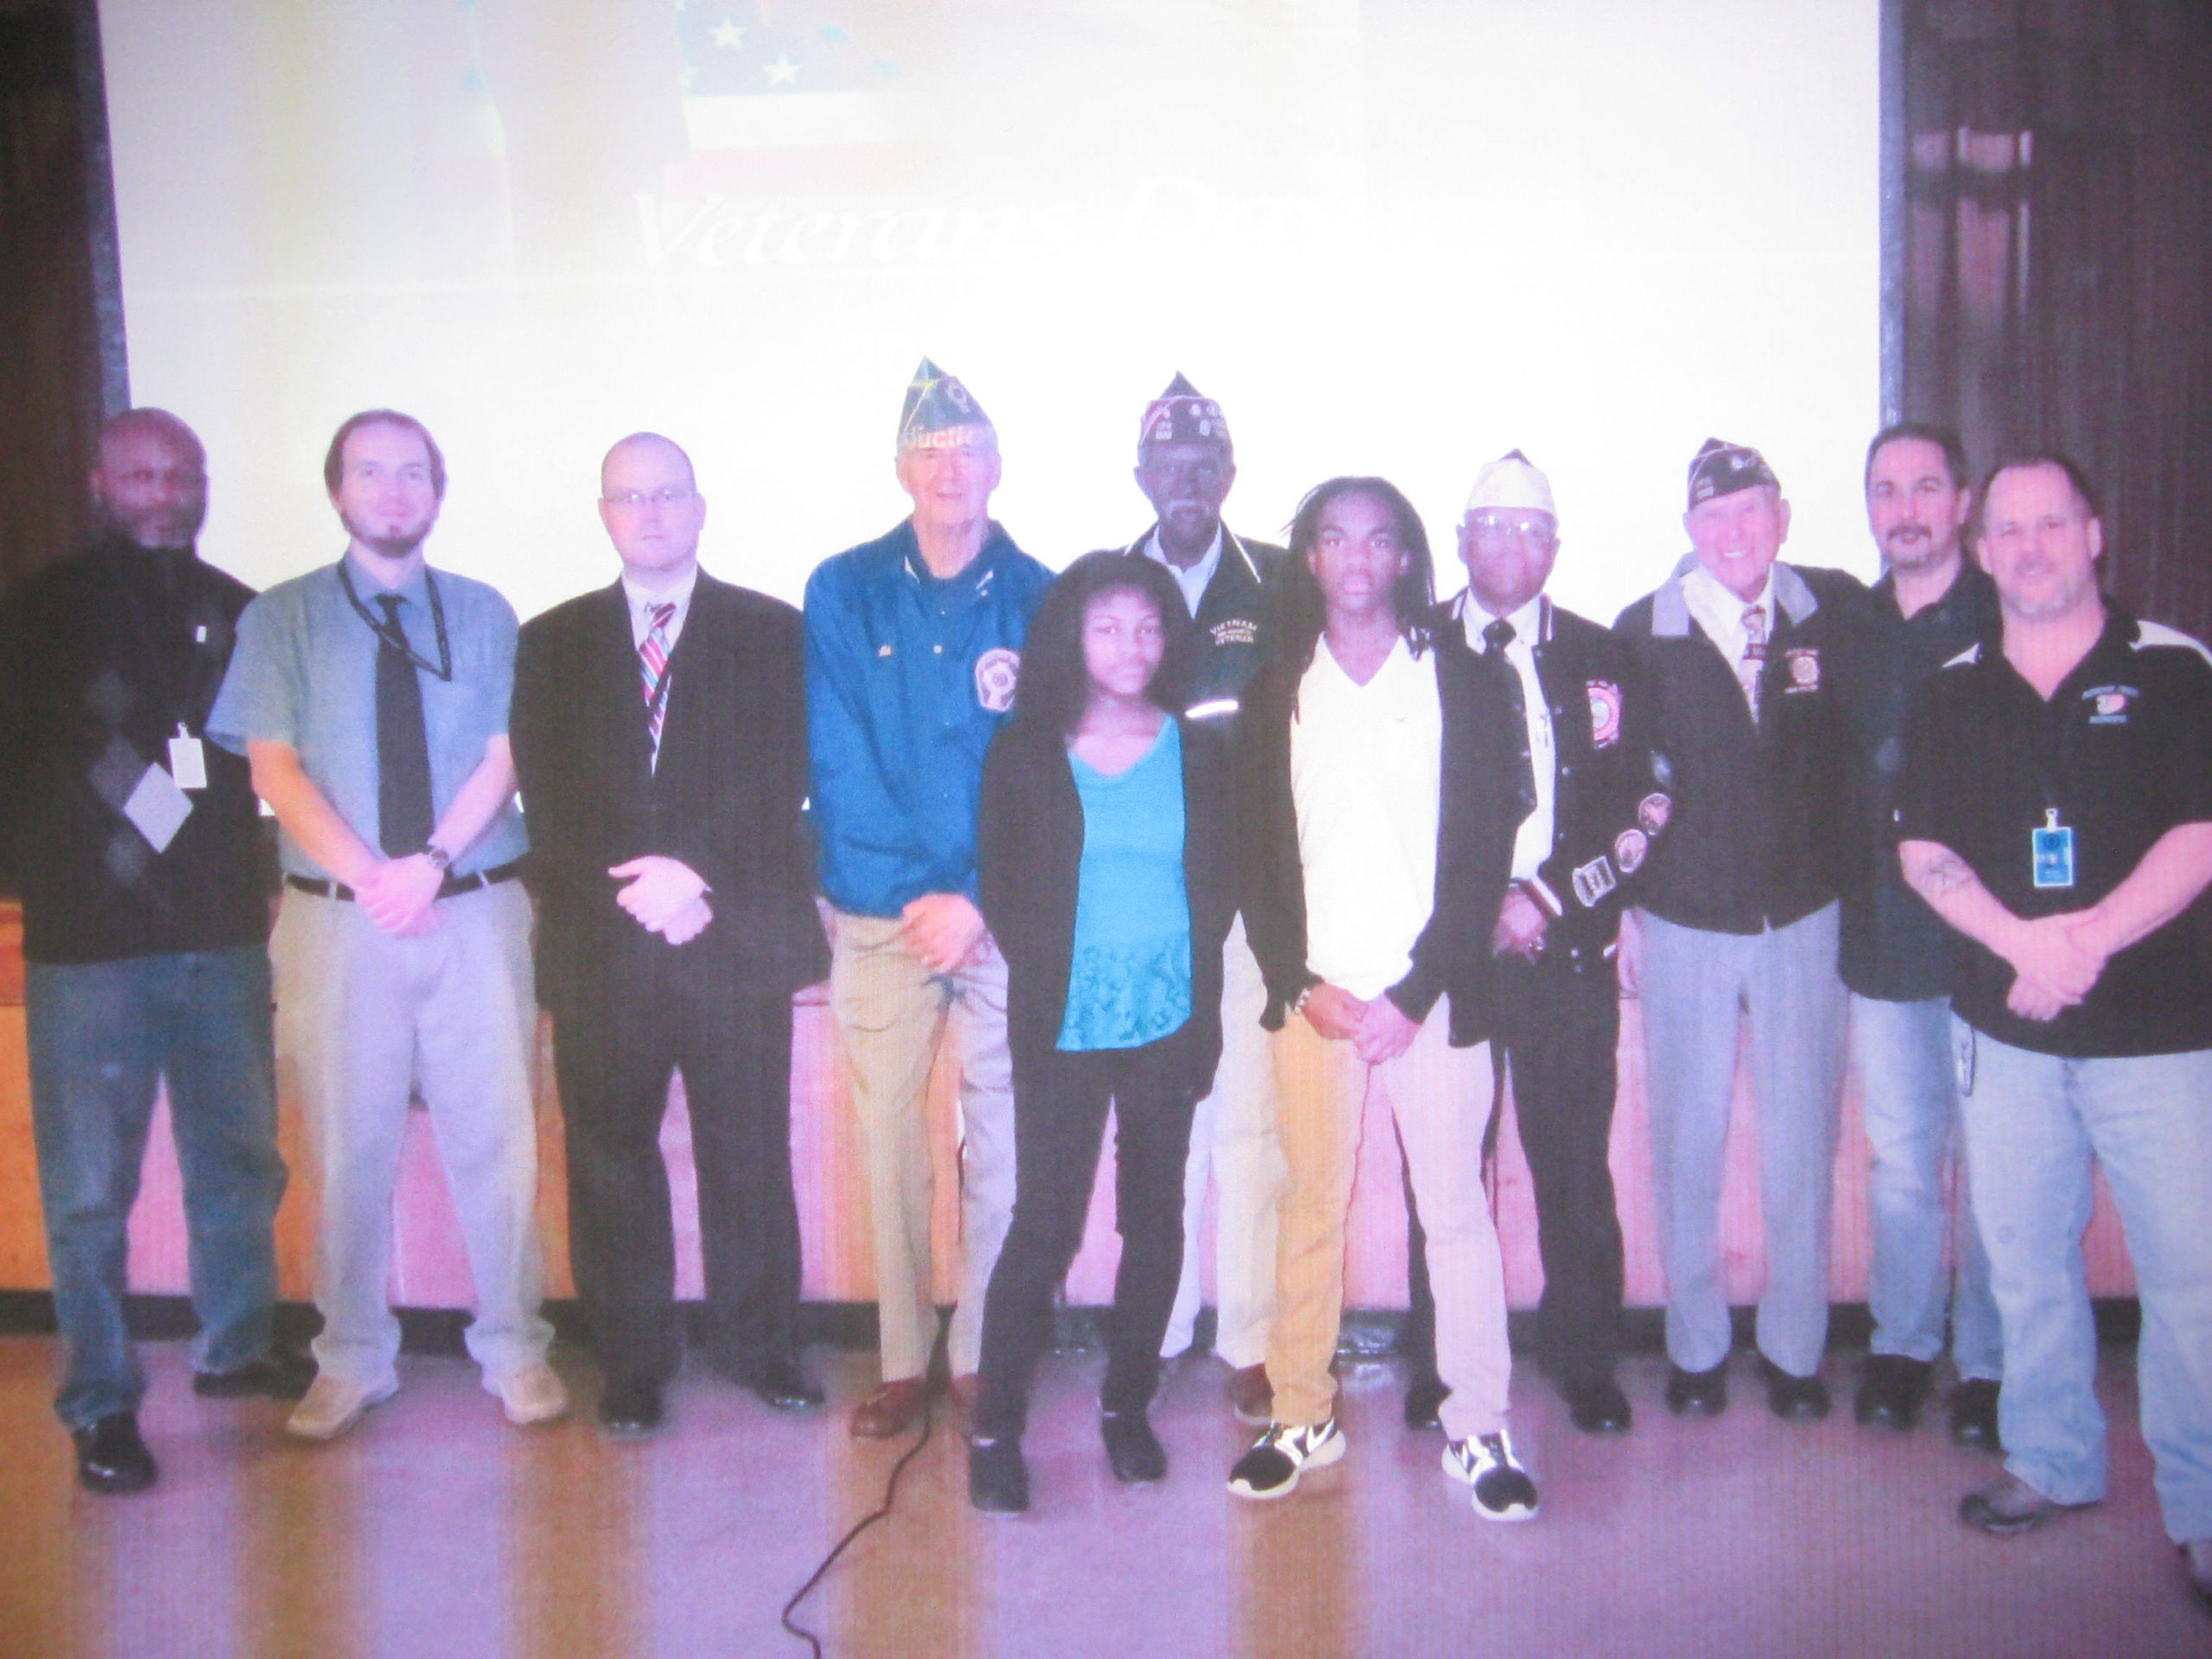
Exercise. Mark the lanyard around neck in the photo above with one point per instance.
(396, 636)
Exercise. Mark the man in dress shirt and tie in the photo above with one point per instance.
(1590, 812)
(371, 698)
(660, 742)
(1185, 465)
(1736, 917)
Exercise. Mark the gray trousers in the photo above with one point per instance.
(1698, 989)
(363, 1018)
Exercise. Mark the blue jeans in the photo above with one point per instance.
(1909, 1100)
(102, 1035)
(2033, 1123)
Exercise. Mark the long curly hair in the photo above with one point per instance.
(1301, 612)
(1054, 687)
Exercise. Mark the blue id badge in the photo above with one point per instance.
(2051, 852)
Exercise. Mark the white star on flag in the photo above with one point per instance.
(783, 73)
(729, 35)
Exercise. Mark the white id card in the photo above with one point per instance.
(188, 761)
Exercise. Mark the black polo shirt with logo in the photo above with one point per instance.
(2121, 754)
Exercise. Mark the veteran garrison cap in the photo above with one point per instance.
(1183, 415)
(1721, 468)
(1512, 481)
(937, 405)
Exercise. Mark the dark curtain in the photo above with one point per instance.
(2056, 260)
(60, 331)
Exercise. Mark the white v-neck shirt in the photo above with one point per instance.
(1365, 772)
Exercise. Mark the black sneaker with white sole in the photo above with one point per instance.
(1272, 1467)
(1502, 1491)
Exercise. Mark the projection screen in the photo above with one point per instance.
(1399, 237)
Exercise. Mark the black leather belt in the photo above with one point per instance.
(454, 884)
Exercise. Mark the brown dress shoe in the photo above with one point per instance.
(1250, 1396)
(893, 1410)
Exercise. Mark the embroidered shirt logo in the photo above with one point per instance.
(1604, 714)
(2108, 703)
(996, 670)
(1235, 630)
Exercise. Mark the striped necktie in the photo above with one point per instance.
(653, 668)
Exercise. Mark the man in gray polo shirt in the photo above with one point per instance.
(371, 698)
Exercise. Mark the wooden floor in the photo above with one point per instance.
(437, 1530)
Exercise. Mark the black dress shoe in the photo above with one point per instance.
(1596, 1405)
(1133, 1450)
(111, 1458)
(1793, 1399)
(780, 1383)
(1697, 1394)
(1425, 1397)
(1973, 1415)
(280, 1373)
(998, 1480)
(1891, 1389)
(630, 1410)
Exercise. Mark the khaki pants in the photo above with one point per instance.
(1441, 1097)
(891, 1012)
(362, 1019)
(1234, 1143)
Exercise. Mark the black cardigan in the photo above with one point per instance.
(1029, 854)
(1474, 838)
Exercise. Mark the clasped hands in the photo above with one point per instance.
(944, 929)
(2055, 960)
(401, 895)
(666, 896)
(1376, 1028)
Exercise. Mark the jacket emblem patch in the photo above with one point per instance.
(1604, 714)
(2108, 703)
(1652, 812)
(996, 670)
(1235, 630)
(1629, 848)
(1593, 881)
(1804, 663)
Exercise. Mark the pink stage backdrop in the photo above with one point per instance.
(431, 1270)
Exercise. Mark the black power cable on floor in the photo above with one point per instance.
(890, 1498)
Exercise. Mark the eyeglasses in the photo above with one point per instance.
(1496, 527)
(668, 495)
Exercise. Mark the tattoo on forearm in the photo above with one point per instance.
(1945, 873)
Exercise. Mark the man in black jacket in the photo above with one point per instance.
(144, 885)
(1588, 812)
(1736, 916)
(660, 740)
(1185, 465)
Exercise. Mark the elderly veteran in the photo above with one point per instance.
(913, 642)
(1588, 811)
(1736, 910)
(1185, 465)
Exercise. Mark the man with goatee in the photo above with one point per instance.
(371, 698)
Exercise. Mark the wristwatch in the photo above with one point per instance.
(440, 859)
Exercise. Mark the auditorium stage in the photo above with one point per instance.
(435, 1531)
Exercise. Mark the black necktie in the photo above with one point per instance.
(404, 820)
(1496, 637)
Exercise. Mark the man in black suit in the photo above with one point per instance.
(1588, 809)
(660, 733)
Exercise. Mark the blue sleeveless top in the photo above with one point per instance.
(1129, 975)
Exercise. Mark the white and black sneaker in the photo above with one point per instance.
(1272, 1467)
(1503, 1489)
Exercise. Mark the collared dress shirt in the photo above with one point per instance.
(1194, 581)
(1532, 842)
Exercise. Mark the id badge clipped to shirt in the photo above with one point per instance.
(2051, 852)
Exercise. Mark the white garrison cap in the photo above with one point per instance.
(1511, 481)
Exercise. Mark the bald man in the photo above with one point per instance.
(145, 926)
(659, 732)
